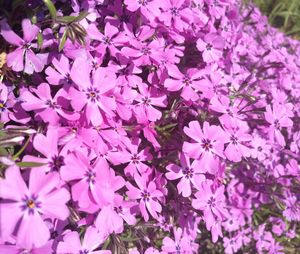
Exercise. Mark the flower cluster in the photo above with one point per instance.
(148, 126)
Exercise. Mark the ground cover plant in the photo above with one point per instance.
(147, 126)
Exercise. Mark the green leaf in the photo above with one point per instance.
(27, 164)
(17, 155)
(81, 16)
(40, 40)
(51, 8)
(66, 19)
(71, 19)
(63, 41)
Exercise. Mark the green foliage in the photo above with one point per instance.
(283, 14)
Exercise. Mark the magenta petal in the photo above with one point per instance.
(33, 231)
(9, 35)
(70, 244)
(41, 184)
(47, 145)
(15, 59)
(13, 186)
(30, 31)
(93, 114)
(33, 63)
(110, 30)
(92, 238)
(12, 214)
(80, 73)
(54, 204)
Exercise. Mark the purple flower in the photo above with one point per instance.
(93, 185)
(212, 203)
(188, 173)
(96, 97)
(180, 244)
(60, 74)
(92, 239)
(47, 108)
(29, 206)
(209, 142)
(278, 117)
(23, 58)
(147, 194)
(189, 82)
(211, 47)
(175, 14)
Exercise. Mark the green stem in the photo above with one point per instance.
(16, 156)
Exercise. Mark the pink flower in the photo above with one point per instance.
(47, 108)
(237, 136)
(147, 99)
(147, 194)
(23, 54)
(47, 146)
(149, 8)
(181, 244)
(175, 14)
(209, 142)
(189, 174)
(94, 185)
(189, 82)
(278, 116)
(71, 243)
(132, 155)
(211, 47)
(29, 206)
(111, 218)
(261, 149)
(140, 51)
(212, 203)
(60, 74)
(109, 40)
(292, 207)
(96, 97)
(6, 102)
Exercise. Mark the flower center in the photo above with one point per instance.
(208, 47)
(145, 51)
(143, 2)
(92, 94)
(135, 158)
(118, 209)
(30, 204)
(206, 145)
(106, 40)
(52, 104)
(146, 100)
(234, 140)
(25, 251)
(83, 251)
(145, 196)
(187, 81)
(174, 11)
(188, 172)
(56, 163)
(211, 202)
(90, 176)
(277, 124)
(2, 105)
